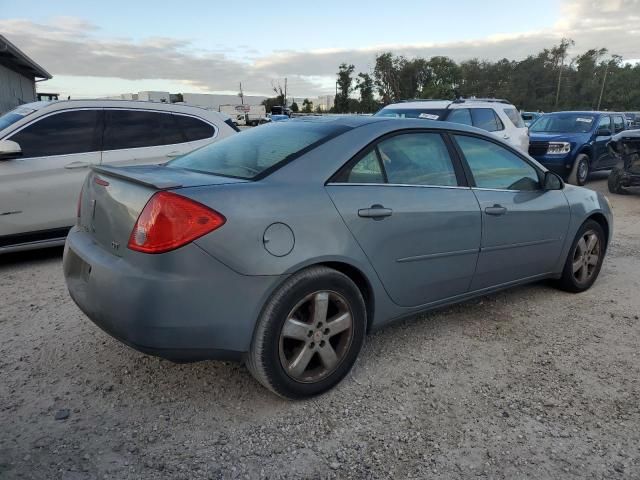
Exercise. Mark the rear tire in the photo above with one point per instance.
(309, 334)
(580, 171)
(584, 259)
(614, 182)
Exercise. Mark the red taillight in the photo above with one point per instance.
(169, 221)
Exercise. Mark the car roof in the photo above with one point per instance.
(54, 105)
(584, 112)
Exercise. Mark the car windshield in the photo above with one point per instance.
(253, 152)
(425, 113)
(563, 123)
(13, 116)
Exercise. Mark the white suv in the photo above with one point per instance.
(493, 115)
(46, 149)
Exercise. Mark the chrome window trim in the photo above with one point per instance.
(457, 187)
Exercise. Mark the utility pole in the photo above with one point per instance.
(241, 94)
(285, 91)
(604, 80)
(559, 80)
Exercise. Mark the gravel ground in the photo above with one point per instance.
(528, 383)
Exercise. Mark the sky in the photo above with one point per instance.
(107, 48)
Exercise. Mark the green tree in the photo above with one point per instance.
(307, 106)
(345, 87)
(294, 107)
(365, 85)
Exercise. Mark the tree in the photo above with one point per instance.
(365, 84)
(294, 107)
(345, 87)
(307, 106)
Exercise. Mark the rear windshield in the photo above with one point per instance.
(260, 150)
(14, 115)
(563, 123)
(515, 117)
(425, 113)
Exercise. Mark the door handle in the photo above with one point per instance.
(495, 210)
(173, 154)
(377, 212)
(506, 137)
(73, 165)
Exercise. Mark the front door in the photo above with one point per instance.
(523, 226)
(39, 191)
(603, 132)
(405, 202)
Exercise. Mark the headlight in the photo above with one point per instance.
(558, 148)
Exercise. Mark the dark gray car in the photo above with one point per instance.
(284, 245)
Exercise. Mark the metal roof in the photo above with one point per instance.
(12, 57)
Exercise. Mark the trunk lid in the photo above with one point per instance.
(112, 199)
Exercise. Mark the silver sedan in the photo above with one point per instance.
(284, 245)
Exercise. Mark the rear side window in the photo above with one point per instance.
(493, 166)
(194, 129)
(134, 129)
(618, 123)
(60, 134)
(486, 119)
(251, 153)
(460, 115)
(514, 117)
(407, 159)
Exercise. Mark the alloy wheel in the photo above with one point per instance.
(316, 336)
(586, 256)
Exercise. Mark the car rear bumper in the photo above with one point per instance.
(183, 305)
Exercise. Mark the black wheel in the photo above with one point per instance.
(309, 334)
(580, 171)
(614, 182)
(585, 258)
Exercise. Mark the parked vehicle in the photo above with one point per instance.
(284, 245)
(573, 144)
(493, 115)
(633, 120)
(625, 147)
(237, 113)
(529, 117)
(257, 115)
(46, 149)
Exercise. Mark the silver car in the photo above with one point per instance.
(284, 245)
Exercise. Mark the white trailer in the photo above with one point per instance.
(150, 96)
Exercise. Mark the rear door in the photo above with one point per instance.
(39, 191)
(142, 137)
(406, 203)
(515, 128)
(523, 226)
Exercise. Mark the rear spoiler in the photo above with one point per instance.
(143, 177)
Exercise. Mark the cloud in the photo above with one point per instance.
(74, 47)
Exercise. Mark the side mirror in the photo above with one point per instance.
(552, 181)
(9, 150)
(603, 132)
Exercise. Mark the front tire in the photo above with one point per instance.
(585, 258)
(580, 171)
(309, 334)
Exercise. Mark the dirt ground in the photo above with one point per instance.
(528, 383)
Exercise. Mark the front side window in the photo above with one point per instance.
(618, 123)
(460, 115)
(604, 125)
(486, 119)
(493, 166)
(60, 134)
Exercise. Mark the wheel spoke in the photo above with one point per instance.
(295, 329)
(320, 306)
(300, 362)
(328, 356)
(339, 324)
(592, 242)
(592, 260)
(581, 247)
(583, 273)
(577, 265)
